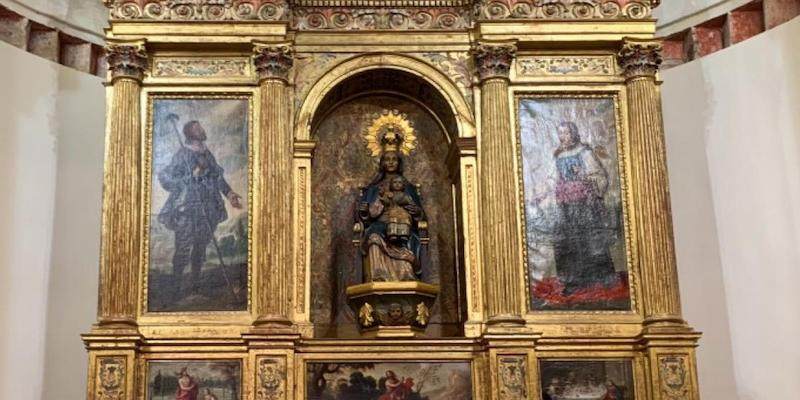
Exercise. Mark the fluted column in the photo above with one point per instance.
(500, 237)
(273, 175)
(640, 61)
(119, 260)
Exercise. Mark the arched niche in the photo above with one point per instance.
(341, 164)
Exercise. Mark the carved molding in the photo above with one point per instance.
(566, 65)
(494, 61)
(273, 61)
(271, 378)
(110, 378)
(675, 379)
(126, 60)
(404, 18)
(198, 10)
(512, 374)
(378, 14)
(640, 58)
(565, 9)
(196, 67)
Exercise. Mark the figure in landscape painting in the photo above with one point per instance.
(389, 381)
(587, 380)
(194, 380)
(198, 241)
(573, 207)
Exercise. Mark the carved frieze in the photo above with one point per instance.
(565, 9)
(566, 65)
(401, 18)
(378, 14)
(198, 10)
(195, 67)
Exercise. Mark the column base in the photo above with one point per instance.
(508, 320)
(273, 324)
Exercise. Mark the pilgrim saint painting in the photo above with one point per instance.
(198, 221)
(573, 208)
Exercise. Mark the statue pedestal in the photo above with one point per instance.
(392, 309)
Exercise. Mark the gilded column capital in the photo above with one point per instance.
(127, 60)
(273, 61)
(640, 57)
(494, 60)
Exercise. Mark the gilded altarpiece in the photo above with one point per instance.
(385, 200)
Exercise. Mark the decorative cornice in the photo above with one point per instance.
(640, 57)
(273, 60)
(403, 18)
(494, 60)
(198, 10)
(565, 9)
(378, 14)
(128, 60)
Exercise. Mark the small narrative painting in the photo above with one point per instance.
(587, 380)
(194, 380)
(198, 247)
(576, 257)
(389, 381)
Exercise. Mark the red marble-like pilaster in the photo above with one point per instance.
(777, 12)
(707, 38)
(744, 23)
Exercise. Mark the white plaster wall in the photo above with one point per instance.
(732, 121)
(81, 18)
(51, 125)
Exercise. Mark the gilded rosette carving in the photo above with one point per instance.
(566, 9)
(126, 60)
(198, 10)
(401, 18)
(110, 378)
(271, 378)
(512, 375)
(674, 374)
(640, 58)
(494, 61)
(273, 61)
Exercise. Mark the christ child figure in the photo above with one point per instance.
(396, 216)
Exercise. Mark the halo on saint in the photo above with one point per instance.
(390, 131)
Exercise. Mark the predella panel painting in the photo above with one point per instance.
(573, 204)
(586, 380)
(198, 212)
(194, 380)
(389, 381)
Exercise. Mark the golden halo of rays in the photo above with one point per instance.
(381, 124)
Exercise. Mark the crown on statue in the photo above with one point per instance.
(390, 131)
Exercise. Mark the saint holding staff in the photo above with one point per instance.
(195, 206)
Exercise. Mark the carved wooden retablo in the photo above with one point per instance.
(386, 200)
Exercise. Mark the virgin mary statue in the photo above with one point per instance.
(390, 224)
